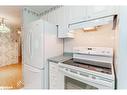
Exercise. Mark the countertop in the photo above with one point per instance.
(60, 58)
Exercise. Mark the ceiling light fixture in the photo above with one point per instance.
(3, 27)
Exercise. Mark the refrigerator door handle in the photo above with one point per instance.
(33, 70)
(30, 43)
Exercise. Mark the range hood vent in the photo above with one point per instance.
(94, 22)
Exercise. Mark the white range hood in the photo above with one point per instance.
(92, 22)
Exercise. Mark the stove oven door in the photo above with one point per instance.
(71, 83)
(75, 78)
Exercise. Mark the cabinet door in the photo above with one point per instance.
(63, 21)
(60, 22)
(99, 11)
(77, 13)
(68, 15)
(56, 79)
(52, 18)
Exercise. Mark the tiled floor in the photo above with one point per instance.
(11, 76)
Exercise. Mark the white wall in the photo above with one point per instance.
(122, 50)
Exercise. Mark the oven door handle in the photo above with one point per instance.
(89, 78)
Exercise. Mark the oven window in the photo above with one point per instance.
(75, 84)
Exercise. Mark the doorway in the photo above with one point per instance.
(10, 48)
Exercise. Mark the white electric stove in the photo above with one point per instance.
(90, 68)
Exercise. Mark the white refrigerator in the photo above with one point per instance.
(40, 42)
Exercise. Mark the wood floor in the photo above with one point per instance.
(11, 76)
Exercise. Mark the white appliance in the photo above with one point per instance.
(39, 43)
(90, 68)
(88, 23)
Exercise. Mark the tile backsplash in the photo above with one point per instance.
(103, 37)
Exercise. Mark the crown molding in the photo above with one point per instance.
(50, 10)
(29, 11)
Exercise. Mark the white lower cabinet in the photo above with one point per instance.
(56, 78)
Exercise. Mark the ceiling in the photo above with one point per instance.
(13, 16)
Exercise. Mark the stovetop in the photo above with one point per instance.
(88, 66)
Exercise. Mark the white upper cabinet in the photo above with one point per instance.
(68, 15)
(71, 14)
(63, 22)
(77, 13)
(100, 11)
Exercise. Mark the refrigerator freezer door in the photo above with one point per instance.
(33, 78)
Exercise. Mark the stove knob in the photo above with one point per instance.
(103, 51)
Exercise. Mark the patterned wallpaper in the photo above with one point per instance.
(8, 48)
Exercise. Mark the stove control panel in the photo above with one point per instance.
(94, 50)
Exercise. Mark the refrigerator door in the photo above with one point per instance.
(26, 44)
(33, 78)
(36, 44)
